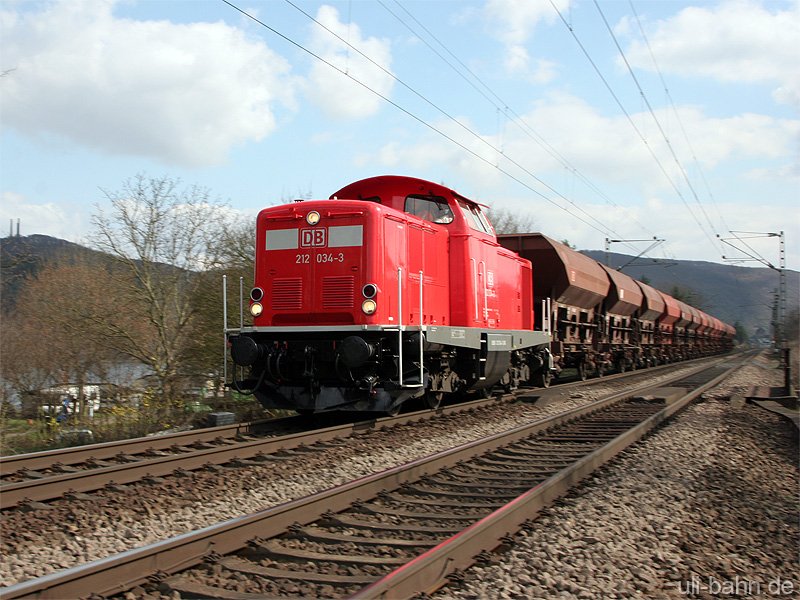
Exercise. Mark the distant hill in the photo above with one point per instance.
(22, 257)
(728, 292)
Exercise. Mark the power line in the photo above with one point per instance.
(655, 119)
(499, 103)
(628, 117)
(425, 123)
(678, 116)
(459, 123)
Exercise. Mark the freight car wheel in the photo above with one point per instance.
(582, 371)
(601, 370)
(433, 399)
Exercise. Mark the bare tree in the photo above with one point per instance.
(160, 236)
(235, 246)
(508, 221)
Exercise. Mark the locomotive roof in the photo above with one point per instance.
(396, 185)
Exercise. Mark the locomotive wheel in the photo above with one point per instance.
(544, 378)
(622, 366)
(394, 411)
(601, 370)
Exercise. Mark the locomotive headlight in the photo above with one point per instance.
(312, 218)
(256, 309)
(369, 306)
(369, 290)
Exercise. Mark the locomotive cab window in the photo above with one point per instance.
(475, 217)
(430, 208)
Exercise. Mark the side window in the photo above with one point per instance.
(430, 208)
(468, 216)
(476, 219)
(487, 226)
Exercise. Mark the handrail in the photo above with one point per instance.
(400, 324)
(474, 269)
(485, 293)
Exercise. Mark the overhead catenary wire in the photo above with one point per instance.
(697, 164)
(658, 124)
(420, 120)
(499, 103)
(603, 227)
(629, 118)
(678, 118)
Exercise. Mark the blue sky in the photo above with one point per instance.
(495, 99)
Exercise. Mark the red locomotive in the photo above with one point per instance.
(394, 288)
(397, 288)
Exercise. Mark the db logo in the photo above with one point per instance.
(312, 238)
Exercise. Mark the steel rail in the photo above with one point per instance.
(430, 570)
(106, 450)
(36, 490)
(116, 574)
(47, 459)
(13, 494)
(54, 486)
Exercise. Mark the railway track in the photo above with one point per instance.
(395, 533)
(129, 461)
(30, 479)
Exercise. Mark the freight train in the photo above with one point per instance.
(397, 289)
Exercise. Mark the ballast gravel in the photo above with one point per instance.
(707, 507)
(41, 542)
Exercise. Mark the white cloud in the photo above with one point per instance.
(517, 59)
(335, 93)
(515, 20)
(181, 93)
(608, 148)
(735, 41)
(513, 23)
(474, 161)
(603, 148)
(663, 216)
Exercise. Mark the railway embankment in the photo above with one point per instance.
(707, 507)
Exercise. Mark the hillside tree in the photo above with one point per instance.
(49, 338)
(689, 296)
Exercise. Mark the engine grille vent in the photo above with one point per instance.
(337, 292)
(287, 294)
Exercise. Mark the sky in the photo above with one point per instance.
(626, 120)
